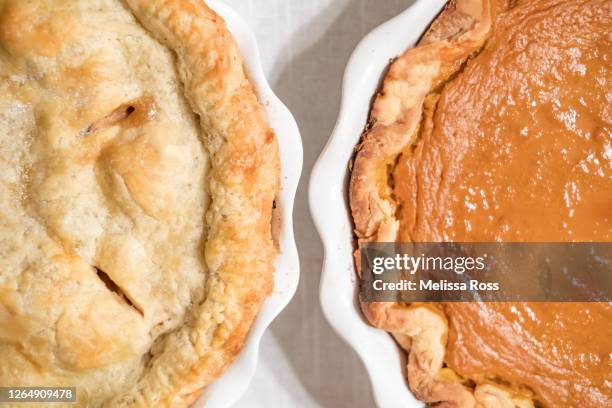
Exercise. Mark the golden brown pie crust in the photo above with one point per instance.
(139, 173)
(398, 188)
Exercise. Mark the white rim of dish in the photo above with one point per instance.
(330, 209)
(230, 387)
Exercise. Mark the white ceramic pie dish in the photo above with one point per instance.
(330, 209)
(228, 389)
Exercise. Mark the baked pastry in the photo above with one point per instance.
(138, 174)
(496, 127)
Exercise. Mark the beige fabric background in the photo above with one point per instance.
(305, 45)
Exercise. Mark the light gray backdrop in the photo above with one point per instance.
(305, 45)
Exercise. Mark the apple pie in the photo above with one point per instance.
(138, 175)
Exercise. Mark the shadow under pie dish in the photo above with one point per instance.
(139, 179)
(495, 127)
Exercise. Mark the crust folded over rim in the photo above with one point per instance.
(421, 330)
(243, 182)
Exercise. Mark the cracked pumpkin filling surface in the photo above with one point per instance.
(497, 127)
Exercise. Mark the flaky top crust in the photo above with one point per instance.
(212, 201)
(408, 90)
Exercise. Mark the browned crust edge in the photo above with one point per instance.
(244, 180)
(460, 30)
